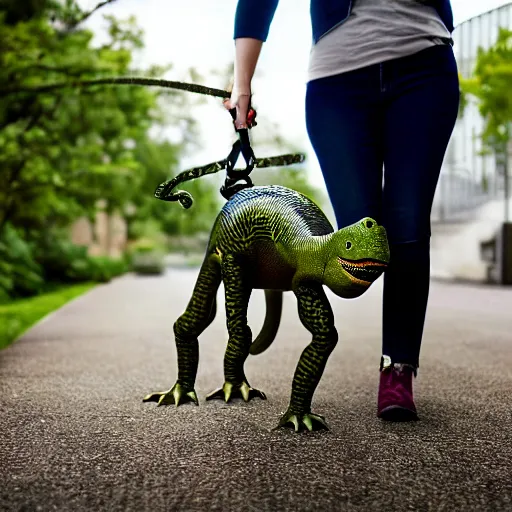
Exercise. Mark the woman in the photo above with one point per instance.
(382, 100)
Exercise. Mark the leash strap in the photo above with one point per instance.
(165, 191)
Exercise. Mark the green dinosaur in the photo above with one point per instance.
(276, 239)
(270, 238)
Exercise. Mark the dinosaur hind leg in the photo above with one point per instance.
(198, 315)
(238, 287)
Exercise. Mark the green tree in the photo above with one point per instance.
(66, 148)
(491, 86)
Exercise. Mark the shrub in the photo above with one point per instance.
(103, 269)
(148, 263)
(147, 257)
(20, 274)
(66, 262)
(30, 268)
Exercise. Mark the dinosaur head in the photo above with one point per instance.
(358, 254)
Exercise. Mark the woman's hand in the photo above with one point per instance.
(240, 99)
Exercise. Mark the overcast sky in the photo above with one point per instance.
(199, 33)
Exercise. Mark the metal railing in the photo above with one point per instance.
(459, 195)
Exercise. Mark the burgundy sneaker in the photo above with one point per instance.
(395, 401)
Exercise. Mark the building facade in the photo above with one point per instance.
(469, 179)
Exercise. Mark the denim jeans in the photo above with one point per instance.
(380, 134)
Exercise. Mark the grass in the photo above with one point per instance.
(19, 315)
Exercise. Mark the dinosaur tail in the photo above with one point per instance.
(274, 303)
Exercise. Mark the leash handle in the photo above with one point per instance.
(251, 117)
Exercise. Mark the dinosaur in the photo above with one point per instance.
(265, 237)
(276, 239)
(270, 238)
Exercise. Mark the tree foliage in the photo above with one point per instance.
(491, 86)
(67, 148)
(63, 150)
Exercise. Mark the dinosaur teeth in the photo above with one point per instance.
(363, 270)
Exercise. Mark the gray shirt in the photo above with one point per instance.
(376, 31)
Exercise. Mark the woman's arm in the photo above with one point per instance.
(252, 24)
(247, 52)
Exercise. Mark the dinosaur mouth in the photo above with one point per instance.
(366, 271)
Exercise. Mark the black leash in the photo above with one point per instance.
(236, 179)
(164, 191)
(122, 80)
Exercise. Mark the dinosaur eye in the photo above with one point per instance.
(369, 224)
(348, 245)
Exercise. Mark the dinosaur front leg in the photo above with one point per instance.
(198, 315)
(237, 286)
(316, 315)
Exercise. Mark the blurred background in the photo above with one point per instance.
(79, 165)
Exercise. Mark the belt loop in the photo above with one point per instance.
(381, 77)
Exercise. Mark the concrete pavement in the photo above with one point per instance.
(76, 436)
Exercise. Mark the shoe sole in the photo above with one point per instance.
(397, 413)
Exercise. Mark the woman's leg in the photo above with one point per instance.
(420, 115)
(422, 103)
(344, 122)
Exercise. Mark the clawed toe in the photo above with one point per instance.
(299, 422)
(229, 391)
(176, 395)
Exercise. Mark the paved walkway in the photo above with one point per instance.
(75, 435)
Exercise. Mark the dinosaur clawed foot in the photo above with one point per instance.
(300, 422)
(176, 395)
(229, 391)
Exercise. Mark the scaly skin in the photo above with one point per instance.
(275, 239)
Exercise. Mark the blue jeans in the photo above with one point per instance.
(393, 121)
